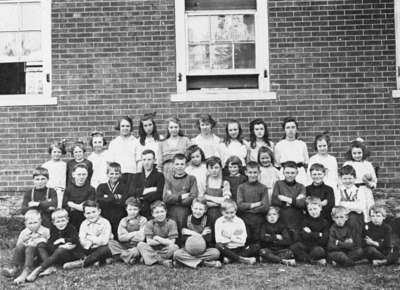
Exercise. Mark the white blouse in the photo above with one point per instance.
(99, 161)
(123, 151)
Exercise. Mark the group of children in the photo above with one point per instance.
(201, 202)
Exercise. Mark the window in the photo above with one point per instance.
(396, 93)
(222, 50)
(25, 52)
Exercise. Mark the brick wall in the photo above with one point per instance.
(332, 64)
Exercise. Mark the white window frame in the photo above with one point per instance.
(396, 93)
(262, 53)
(36, 99)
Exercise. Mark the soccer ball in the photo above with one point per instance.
(195, 245)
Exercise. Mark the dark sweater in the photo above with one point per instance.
(268, 236)
(47, 198)
(324, 192)
(339, 235)
(69, 234)
(78, 194)
(381, 234)
(110, 202)
(176, 186)
(234, 182)
(319, 231)
(70, 166)
(249, 193)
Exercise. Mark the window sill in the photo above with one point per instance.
(24, 100)
(237, 95)
(396, 94)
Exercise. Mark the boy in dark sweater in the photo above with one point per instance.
(314, 235)
(275, 240)
(253, 203)
(320, 190)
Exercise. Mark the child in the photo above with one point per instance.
(207, 140)
(234, 175)
(268, 173)
(343, 250)
(174, 143)
(78, 152)
(98, 157)
(63, 244)
(130, 233)
(197, 167)
(40, 197)
(160, 235)
(314, 235)
(57, 170)
(77, 193)
(275, 240)
(28, 247)
(321, 145)
(253, 203)
(320, 190)
(94, 236)
(292, 149)
(179, 191)
(230, 235)
(111, 197)
(290, 195)
(378, 247)
(198, 225)
(258, 138)
(233, 144)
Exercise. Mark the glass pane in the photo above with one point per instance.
(31, 45)
(34, 80)
(8, 45)
(199, 57)
(31, 16)
(12, 78)
(8, 17)
(198, 28)
(232, 28)
(221, 56)
(245, 55)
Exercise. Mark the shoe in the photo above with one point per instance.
(289, 262)
(249, 261)
(262, 260)
(378, 262)
(334, 264)
(73, 265)
(167, 263)
(321, 262)
(226, 260)
(213, 264)
(34, 274)
(109, 261)
(48, 271)
(10, 272)
(22, 277)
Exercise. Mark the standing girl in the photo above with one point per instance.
(233, 144)
(233, 172)
(99, 158)
(207, 140)
(197, 167)
(78, 153)
(268, 173)
(258, 137)
(292, 149)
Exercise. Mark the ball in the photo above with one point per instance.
(195, 245)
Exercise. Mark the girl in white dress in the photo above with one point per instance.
(268, 173)
(99, 158)
(207, 140)
(197, 167)
(233, 144)
(258, 137)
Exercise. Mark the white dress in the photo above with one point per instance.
(268, 176)
(57, 178)
(362, 168)
(99, 162)
(234, 148)
(253, 152)
(149, 143)
(210, 145)
(123, 151)
(200, 172)
(331, 166)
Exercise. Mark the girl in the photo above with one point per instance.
(99, 158)
(197, 167)
(174, 143)
(292, 149)
(268, 173)
(233, 143)
(258, 137)
(207, 140)
(148, 138)
(78, 152)
(321, 145)
(57, 169)
(234, 175)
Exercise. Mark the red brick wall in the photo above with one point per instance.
(332, 64)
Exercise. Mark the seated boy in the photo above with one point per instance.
(40, 197)
(160, 235)
(343, 250)
(197, 225)
(230, 236)
(320, 190)
(63, 244)
(289, 196)
(130, 233)
(314, 235)
(275, 240)
(111, 197)
(253, 203)
(378, 247)
(29, 245)
(94, 236)
(77, 193)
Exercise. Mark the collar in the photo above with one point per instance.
(97, 222)
(180, 177)
(290, 183)
(318, 185)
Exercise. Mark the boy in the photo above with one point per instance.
(314, 235)
(197, 225)
(63, 244)
(230, 235)
(289, 196)
(253, 203)
(40, 197)
(29, 243)
(94, 236)
(111, 197)
(77, 193)
(147, 185)
(343, 250)
(130, 233)
(320, 190)
(378, 247)
(275, 240)
(160, 235)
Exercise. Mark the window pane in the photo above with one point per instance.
(34, 79)
(31, 45)
(12, 78)
(220, 4)
(232, 28)
(245, 55)
(222, 81)
(199, 57)
(8, 45)
(198, 28)
(31, 16)
(221, 56)
(8, 17)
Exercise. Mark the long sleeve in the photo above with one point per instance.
(72, 235)
(51, 203)
(265, 202)
(274, 199)
(25, 201)
(168, 196)
(242, 205)
(158, 193)
(193, 191)
(219, 237)
(300, 200)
